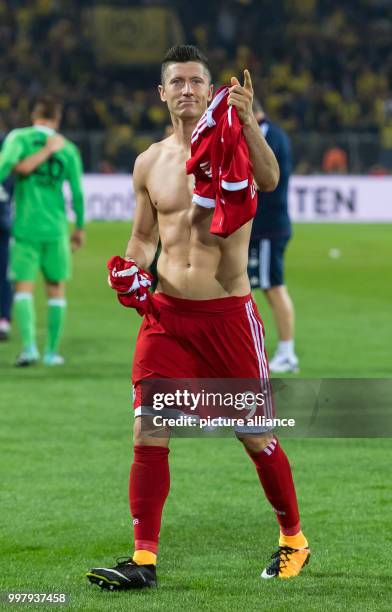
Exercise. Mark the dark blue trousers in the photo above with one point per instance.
(5, 285)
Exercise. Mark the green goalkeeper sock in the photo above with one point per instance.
(56, 319)
(25, 319)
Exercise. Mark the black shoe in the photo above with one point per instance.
(125, 575)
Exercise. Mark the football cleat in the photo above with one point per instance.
(283, 363)
(27, 358)
(52, 359)
(124, 576)
(286, 562)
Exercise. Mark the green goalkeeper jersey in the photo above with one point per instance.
(40, 210)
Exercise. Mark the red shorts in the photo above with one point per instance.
(222, 338)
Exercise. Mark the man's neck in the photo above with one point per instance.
(183, 131)
(46, 123)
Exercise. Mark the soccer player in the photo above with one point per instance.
(206, 325)
(271, 233)
(43, 160)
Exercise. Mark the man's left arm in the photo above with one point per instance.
(265, 165)
(75, 181)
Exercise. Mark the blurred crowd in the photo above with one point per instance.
(319, 67)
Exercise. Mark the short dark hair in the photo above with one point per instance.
(47, 107)
(182, 54)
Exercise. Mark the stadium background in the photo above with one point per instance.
(323, 70)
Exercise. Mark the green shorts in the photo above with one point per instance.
(52, 257)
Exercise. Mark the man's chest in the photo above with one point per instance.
(169, 187)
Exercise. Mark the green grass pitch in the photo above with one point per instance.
(65, 450)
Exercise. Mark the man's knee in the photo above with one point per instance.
(145, 433)
(24, 287)
(255, 444)
(55, 290)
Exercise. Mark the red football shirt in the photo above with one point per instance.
(222, 168)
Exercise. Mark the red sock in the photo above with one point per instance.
(275, 476)
(149, 486)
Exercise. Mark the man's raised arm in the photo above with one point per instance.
(265, 166)
(144, 238)
(30, 163)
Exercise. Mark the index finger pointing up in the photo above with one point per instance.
(247, 81)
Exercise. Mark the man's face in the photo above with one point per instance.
(186, 89)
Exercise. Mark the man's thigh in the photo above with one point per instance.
(56, 260)
(159, 354)
(24, 260)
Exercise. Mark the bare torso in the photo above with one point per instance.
(193, 263)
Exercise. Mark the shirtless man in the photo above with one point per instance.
(199, 274)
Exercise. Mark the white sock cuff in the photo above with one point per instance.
(286, 347)
(22, 295)
(62, 302)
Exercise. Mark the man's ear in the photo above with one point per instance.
(162, 94)
(210, 92)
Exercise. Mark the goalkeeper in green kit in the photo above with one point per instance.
(42, 160)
